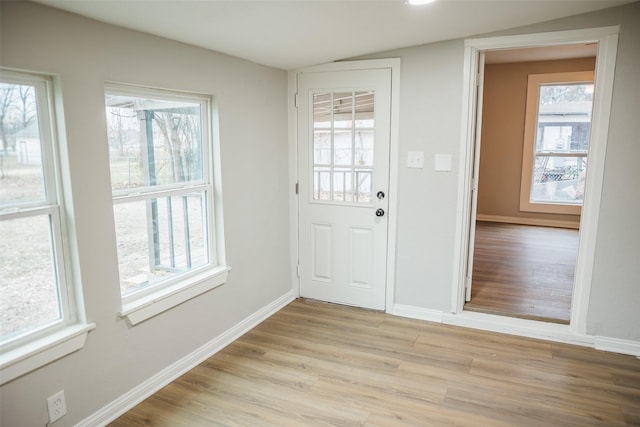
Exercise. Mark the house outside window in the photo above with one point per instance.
(557, 129)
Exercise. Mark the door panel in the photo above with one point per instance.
(321, 248)
(360, 251)
(343, 149)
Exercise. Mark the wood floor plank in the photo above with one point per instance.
(318, 364)
(523, 271)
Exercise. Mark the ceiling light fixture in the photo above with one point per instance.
(419, 2)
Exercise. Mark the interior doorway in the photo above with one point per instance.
(606, 39)
(532, 160)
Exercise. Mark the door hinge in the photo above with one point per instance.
(298, 270)
(474, 184)
(477, 79)
(295, 100)
(297, 188)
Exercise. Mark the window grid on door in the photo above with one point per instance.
(343, 146)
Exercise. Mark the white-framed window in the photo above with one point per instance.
(164, 199)
(38, 303)
(556, 142)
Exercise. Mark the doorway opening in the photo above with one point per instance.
(533, 149)
(605, 40)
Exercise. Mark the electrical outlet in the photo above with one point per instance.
(57, 406)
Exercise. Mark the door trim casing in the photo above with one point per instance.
(607, 39)
(394, 138)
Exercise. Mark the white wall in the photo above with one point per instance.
(430, 111)
(430, 115)
(253, 131)
(253, 123)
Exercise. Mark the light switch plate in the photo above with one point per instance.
(415, 159)
(442, 162)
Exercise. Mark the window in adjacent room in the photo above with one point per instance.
(162, 181)
(557, 128)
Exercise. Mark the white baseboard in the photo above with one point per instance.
(418, 313)
(528, 221)
(520, 327)
(136, 395)
(618, 346)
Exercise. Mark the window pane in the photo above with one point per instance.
(364, 109)
(321, 183)
(364, 148)
(343, 110)
(342, 185)
(28, 286)
(363, 181)
(564, 118)
(559, 179)
(343, 146)
(152, 141)
(159, 239)
(21, 174)
(322, 147)
(322, 110)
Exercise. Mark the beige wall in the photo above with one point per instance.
(503, 114)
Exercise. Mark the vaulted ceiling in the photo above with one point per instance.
(288, 34)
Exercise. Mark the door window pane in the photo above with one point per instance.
(343, 110)
(322, 110)
(343, 146)
(322, 147)
(364, 148)
(342, 185)
(363, 180)
(364, 109)
(321, 183)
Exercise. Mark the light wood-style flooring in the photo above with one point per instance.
(319, 364)
(523, 271)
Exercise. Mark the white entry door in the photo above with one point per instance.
(343, 160)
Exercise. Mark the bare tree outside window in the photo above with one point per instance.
(160, 186)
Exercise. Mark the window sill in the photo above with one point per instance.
(35, 354)
(153, 304)
(553, 208)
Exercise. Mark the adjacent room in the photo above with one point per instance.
(528, 206)
(231, 213)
